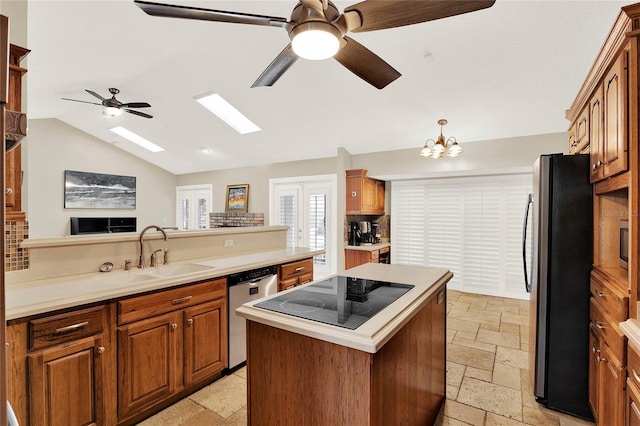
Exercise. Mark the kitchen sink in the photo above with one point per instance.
(178, 269)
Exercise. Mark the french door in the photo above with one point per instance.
(193, 204)
(307, 206)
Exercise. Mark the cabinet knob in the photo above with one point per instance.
(8, 190)
(600, 294)
(100, 349)
(174, 326)
(190, 321)
(600, 325)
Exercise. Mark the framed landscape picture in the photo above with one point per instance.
(83, 190)
(237, 199)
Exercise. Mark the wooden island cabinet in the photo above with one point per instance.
(388, 371)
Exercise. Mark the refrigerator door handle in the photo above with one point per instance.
(527, 284)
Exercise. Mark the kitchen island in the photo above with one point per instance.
(386, 369)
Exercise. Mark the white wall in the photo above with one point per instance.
(53, 147)
(258, 179)
(477, 157)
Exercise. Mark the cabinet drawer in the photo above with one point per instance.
(295, 269)
(140, 307)
(305, 278)
(633, 365)
(384, 250)
(62, 328)
(610, 299)
(608, 329)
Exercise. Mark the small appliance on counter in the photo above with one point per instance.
(354, 234)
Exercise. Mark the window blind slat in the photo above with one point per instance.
(472, 226)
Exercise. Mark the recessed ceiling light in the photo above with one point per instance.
(137, 139)
(227, 113)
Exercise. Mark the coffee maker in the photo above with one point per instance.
(354, 234)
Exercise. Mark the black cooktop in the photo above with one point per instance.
(341, 301)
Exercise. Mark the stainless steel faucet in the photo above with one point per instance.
(143, 263)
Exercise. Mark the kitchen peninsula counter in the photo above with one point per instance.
(389, 370)
(46, 295)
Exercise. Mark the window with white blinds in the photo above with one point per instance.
(469, 225)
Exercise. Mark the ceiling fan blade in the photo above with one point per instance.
(378, 15)
(84, 102)
(91, 92)
(135, 105)
(141, 114)
(366, 64)
(188, 12)
(274, 71)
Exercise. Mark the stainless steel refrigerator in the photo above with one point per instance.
(557, 273)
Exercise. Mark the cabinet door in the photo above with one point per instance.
(612, 384)
(354, 194)
(633, 405)
(596, 135)
(369, 199)
(615, 99)
(581, 135)
(353, 258)
(147, 358)
(380, 200)
(594, 370)
(205, 340)
(66, 384)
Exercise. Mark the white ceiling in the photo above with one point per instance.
(510, 70)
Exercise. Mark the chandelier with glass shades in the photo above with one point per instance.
(440, 148)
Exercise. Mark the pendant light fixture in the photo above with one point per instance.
(439, 148)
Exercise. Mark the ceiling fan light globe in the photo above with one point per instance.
(315, 40)
(112, 111)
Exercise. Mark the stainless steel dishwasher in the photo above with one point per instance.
(245, 287)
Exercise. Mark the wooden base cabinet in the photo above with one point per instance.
(169, 342)
(66, 383)
(60, 368)
(147, 370)
(294, 274)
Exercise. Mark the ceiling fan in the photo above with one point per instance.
(113, 107)
(315, 22)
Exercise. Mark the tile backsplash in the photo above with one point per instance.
(15, 257)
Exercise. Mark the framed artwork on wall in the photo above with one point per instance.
(237, 199)
(84, 190)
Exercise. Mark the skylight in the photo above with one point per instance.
(227, 113)
(137, 139)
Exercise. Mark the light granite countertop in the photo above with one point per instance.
(374, 333)
(631, 329)
(368, 247)
(47, 295)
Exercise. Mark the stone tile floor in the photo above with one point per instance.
(488, 379)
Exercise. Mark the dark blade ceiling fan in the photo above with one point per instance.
(113, 107)
(314, 21)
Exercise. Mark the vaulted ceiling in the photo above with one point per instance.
(510, 70)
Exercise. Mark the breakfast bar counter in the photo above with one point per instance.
(340, 368)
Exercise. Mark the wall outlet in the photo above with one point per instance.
(228, 243)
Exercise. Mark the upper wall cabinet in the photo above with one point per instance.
(600, 126)
(364, 194)
(616, 112)
(579, 134)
